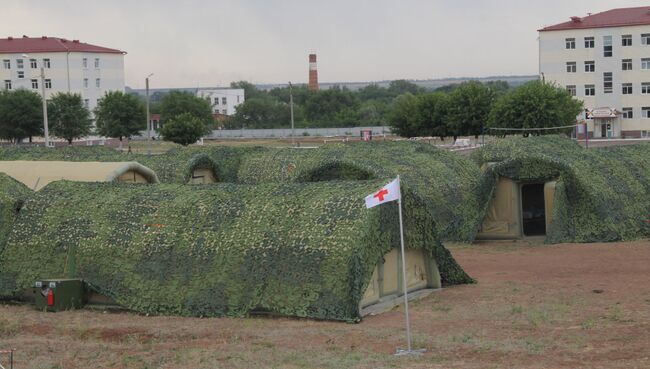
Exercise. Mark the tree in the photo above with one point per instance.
(469, 107)
(403, 117)
(264, 112)
(68, 117)
(432, 111)
(21, 115)
(183, 129)
(120, 115)
(179, 102)
(401, 86)
(250, 91)
(331, 107)
(535, 104)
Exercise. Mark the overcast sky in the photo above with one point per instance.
(210, 43)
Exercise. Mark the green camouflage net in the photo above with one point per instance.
(601, 195)
(302, 249)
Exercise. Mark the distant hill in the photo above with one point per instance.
(430, 84)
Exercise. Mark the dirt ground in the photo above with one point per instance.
(535, 306)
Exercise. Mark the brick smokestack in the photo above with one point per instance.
(313, 73)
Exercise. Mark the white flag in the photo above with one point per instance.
(390, 192)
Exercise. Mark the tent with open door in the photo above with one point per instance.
(553, 187)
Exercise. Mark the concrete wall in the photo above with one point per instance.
(299, 132)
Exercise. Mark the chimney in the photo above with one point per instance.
(313, 73)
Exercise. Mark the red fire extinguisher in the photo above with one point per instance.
(50, 298)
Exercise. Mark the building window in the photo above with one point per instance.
(645, 88)
(571, 67)
(7, 84)
(97, 82)
(216, 101)
(19, 63)
(626, 40)
(35, 84)
(48, 83)
(84, 62)
(645, 39)
(628, 113)
(85, 82)
(627, 89)
(46, 63)
(7, 63)
(570, 43)
(238, 99)
(608, 82)
(626, 64)
(590, 66)
(571, 89)
(86, 103)
(224, 112)
(589, 43)
(646, 111)
(590, 90)
(607, 46)
(32, 63)
(21, 74)
(223, 101)
(645, 63)
(96, 62)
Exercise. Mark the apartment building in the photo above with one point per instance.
(224, 101)
(603, 59)
(68, 65)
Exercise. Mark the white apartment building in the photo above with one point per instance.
(69, 66)
(604, 60)
(224, 101)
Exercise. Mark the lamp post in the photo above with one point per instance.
(293, 132)
(148, 115)
(46, 132)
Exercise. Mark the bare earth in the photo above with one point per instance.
(535, 306)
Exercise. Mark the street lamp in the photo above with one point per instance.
(293, 132)
(45, 123)
(148, 116)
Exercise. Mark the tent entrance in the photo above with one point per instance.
(533, 209)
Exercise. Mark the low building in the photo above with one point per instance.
(603, 59)
(68, 65)
(224, 101)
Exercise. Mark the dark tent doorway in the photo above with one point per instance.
(533, 212)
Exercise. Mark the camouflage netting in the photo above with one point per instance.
(303, 249)
(446, 181)
(12, 196)
(601, 195)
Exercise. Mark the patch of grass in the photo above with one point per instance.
(533, 346)
(516, 309)
(588, 323)
(9, 328)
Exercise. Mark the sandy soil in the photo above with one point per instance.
(535, 306)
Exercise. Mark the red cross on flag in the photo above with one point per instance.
(390, 192)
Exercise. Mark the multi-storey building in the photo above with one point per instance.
(68, 65)
(224, 101)
(604, 60)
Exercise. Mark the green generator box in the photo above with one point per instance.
(59, 294)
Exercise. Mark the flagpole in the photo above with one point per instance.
(409, 350)
(406, 299)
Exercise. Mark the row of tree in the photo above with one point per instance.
(117, 115)
(472, 108)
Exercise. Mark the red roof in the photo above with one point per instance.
(611, 18)
(49, 44)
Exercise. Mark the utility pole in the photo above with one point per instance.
(45, 124)
(148, 116)
(293, 132)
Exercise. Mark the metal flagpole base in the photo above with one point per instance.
(413, 352)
